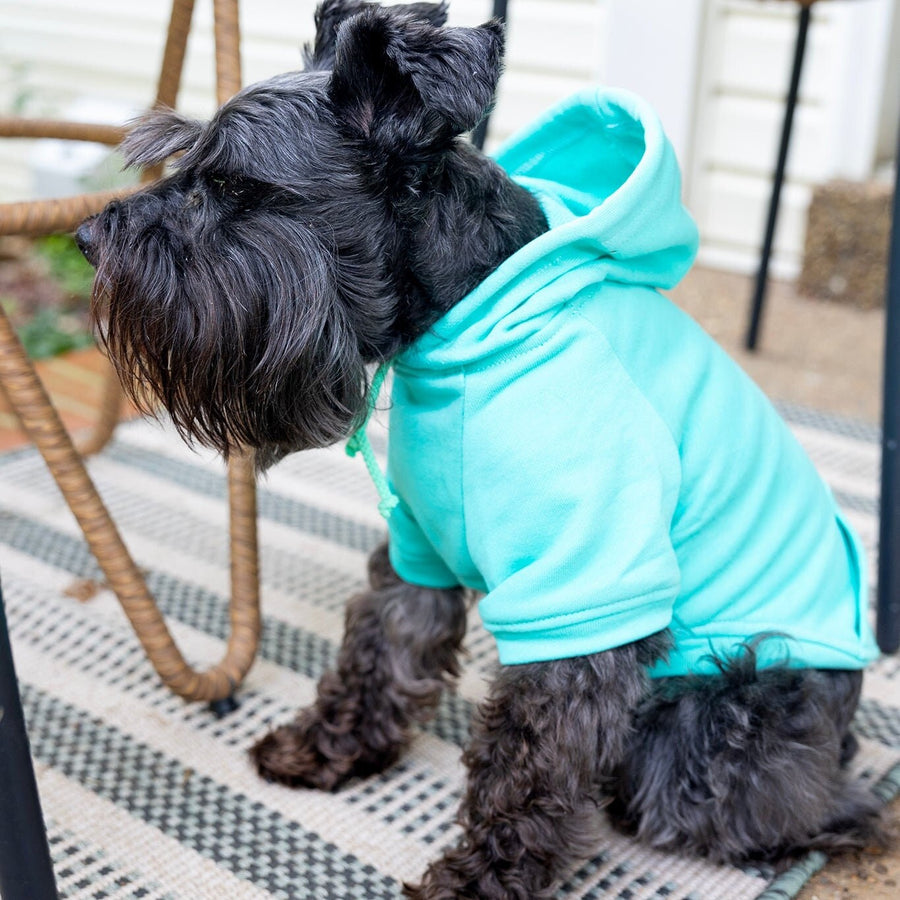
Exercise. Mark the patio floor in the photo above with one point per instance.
(815, 353)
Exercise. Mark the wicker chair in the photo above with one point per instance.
(30, 402)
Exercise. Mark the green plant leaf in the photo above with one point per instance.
(50, 333)
(67, 265)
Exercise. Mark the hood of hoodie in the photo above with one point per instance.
(609, 185)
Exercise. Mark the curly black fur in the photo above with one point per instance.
(746, 764)
(320, 222)
(544, 745)
(399, 650)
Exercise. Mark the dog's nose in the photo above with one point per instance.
(84, 240)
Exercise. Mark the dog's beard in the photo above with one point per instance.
(240, 335)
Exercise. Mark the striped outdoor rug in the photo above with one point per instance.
(149, 797)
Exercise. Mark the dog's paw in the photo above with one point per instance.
(291, 755)
(453, 877)
(464, 874)
(436, 887)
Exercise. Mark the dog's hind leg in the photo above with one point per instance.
(400, 645)
(542, 746)
(746, 764)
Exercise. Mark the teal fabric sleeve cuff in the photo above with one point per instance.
(543, 641)
(411, 554)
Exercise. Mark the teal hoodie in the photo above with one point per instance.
(569, 443)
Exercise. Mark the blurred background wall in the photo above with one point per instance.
(717, 71)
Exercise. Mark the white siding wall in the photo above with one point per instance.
(652, 48)
(729, 60)
(553, 50)
(748, 50)
(55, 51)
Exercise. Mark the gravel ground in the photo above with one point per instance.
(827, 356)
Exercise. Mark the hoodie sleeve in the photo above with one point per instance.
(412, 555)
(574, 545)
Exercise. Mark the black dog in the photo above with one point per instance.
(321, 222)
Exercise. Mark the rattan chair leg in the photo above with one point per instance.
(33, 218)
(166, 95)
(20, 127)
(30, 402)
(111, 402)
(228, 49)
(42, 424)
(173, 55)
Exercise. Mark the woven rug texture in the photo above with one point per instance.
(147, 796)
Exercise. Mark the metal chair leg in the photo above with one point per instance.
(889, 539)
(759, 295)
(26, 871)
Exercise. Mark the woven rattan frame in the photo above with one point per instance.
(41, 422)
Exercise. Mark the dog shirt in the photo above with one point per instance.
(568, 442)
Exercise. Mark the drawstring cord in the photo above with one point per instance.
(358, 442)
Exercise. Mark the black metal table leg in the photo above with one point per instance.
(26, 872)
(759, 295)
(889, 540)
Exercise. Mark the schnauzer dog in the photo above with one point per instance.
(619, 477)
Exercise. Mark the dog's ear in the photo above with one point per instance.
(407, 85)
(328, 17)
(331, 13)
(157, 135)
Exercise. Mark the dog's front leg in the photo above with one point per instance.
(400, 644)
(542, 745)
